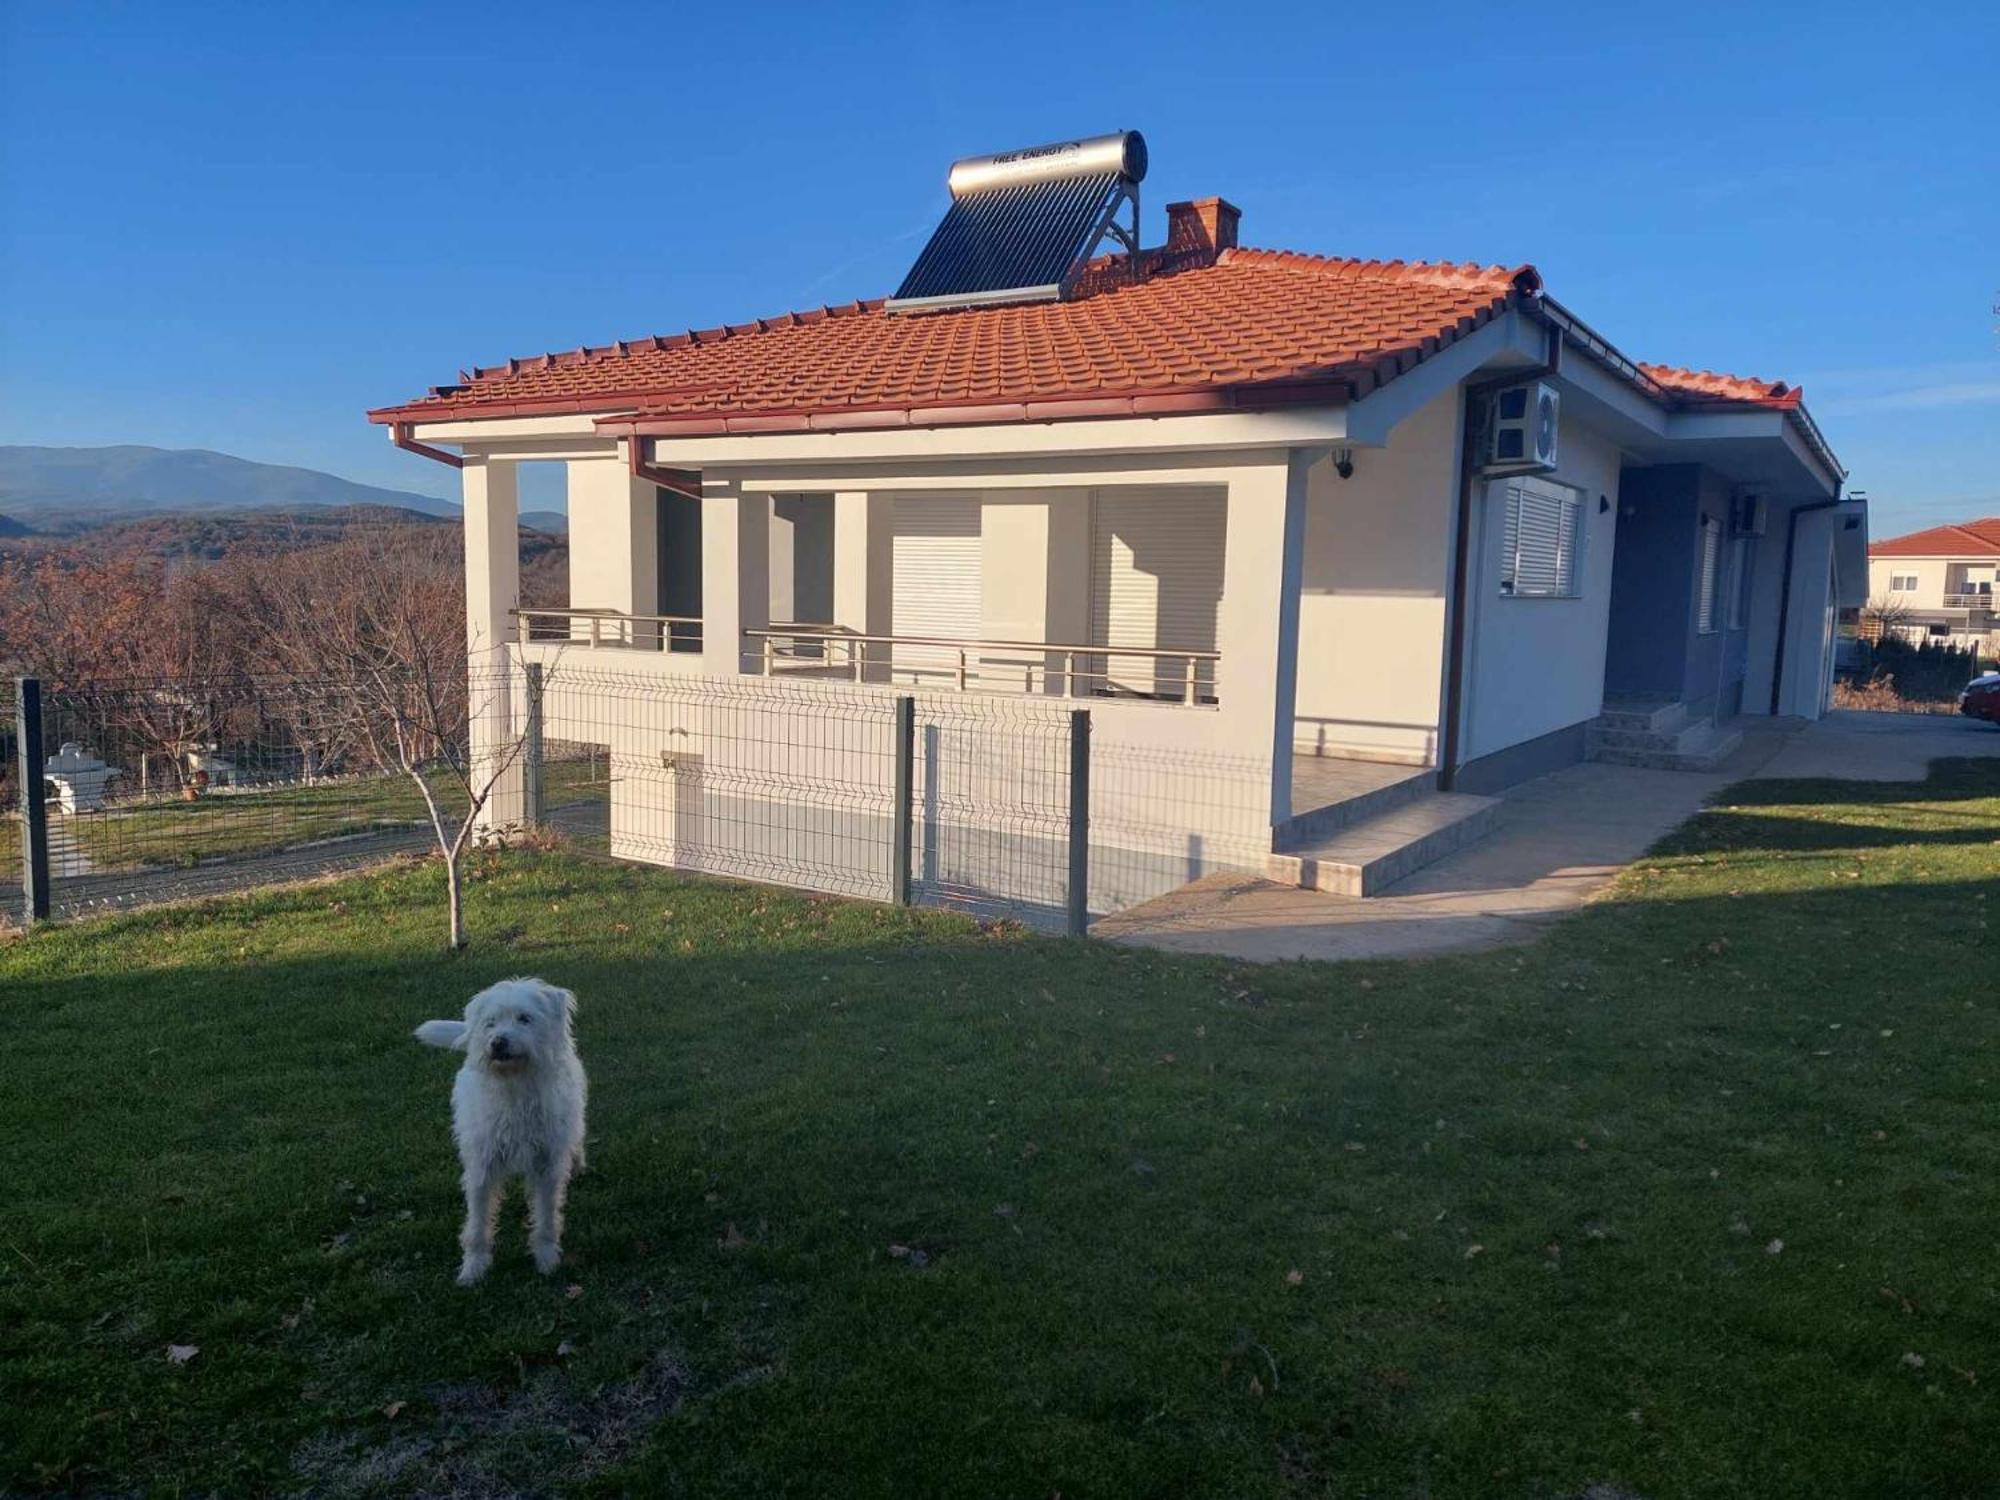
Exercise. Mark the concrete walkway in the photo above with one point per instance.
(1560, 841)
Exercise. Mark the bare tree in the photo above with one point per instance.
(371, 632)
(1883, 616)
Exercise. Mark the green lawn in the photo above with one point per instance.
(174, 834)
(1697, 1196)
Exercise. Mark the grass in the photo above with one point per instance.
(175, 834)
(1694, 1197)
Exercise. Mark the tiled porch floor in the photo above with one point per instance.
(1322, 780)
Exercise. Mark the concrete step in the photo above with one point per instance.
(1317, 823)
(1642, 718)
(1700, 746)
(1365, 857)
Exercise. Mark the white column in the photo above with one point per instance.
(1257, 632)
(863, 528)
(614, 546)
(492, 591)
(1035, 581)
(735, 576)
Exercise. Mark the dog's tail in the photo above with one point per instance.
(447, 1034)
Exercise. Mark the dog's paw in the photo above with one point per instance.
(473, 1267)
(547, 1258)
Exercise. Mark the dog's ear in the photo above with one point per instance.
(447, 1034)
(560, 1003)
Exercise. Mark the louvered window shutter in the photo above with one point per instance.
(1542, 540)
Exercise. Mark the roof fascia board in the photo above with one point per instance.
(570, 424)
(1294, 427)
(1509, 338)
(1943, 557)
(556, 450)
(1057, 471)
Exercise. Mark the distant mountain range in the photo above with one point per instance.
(57, 488)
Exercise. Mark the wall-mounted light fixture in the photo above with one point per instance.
(1343, 462)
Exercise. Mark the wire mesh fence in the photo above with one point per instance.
(163, 789)
(797, 783)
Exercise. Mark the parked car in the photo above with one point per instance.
(1981, 698)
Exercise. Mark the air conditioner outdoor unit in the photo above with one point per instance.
(1753, 514)
(1521, 429)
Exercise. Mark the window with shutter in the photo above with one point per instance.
(1542, 540)
(1711, 564)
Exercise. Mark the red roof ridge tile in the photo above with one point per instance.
(1429, 272)
(1716, 385)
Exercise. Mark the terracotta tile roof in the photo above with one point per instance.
(1199, 330)
(1968, 539)
(1245, 327)
(1701, 387)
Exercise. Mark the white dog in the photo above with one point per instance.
(516, 1111)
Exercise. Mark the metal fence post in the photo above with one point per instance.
(1079, 822)
(906, 781)
(531, 750)
(34, 809)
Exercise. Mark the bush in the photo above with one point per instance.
(1919, 671)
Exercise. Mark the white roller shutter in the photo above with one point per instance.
(1156, 581)
(935, 563)
(935, 567)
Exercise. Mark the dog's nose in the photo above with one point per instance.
(500, 1047)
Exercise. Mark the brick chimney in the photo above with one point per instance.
(1206, 225)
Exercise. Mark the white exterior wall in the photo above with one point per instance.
(614, 554)
(1375, 575)
(1535, 666)
(1933, 574)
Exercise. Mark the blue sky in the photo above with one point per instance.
(237, 227)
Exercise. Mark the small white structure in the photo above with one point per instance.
(81, 780)
(207, 763)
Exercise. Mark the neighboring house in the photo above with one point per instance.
(1938, 584)
(1330, 546)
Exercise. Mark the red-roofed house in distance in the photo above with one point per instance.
(1332, 550)
(1938, 584)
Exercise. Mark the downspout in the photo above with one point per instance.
(1461, 560)
(675, 481)
(399, 434)
(1785, 592)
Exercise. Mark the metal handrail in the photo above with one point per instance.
(969, 656)
(1974, 600)
(627, 637)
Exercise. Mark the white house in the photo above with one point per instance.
(1939, 584)
(1331, 548)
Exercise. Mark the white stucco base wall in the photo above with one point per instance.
(1536, 666)
(1372, 608)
